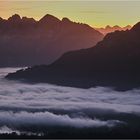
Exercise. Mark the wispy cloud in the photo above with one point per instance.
(93, 12)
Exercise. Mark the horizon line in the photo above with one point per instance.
(38, 19)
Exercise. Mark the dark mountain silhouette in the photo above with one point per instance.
(109, 29)
(115, 62)
(26, 42)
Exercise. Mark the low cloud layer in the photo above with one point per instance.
(49, 119)
(23, 105)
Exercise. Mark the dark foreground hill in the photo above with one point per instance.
(27, 42)
(115, 62)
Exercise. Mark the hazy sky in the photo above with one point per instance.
(95, 13)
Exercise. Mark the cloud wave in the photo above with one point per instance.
(31, 106)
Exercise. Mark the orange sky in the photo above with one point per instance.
(94, 13)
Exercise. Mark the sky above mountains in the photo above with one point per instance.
(95, 13)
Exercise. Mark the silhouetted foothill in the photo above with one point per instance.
(112, 62)
(137, 27)
(1, 19)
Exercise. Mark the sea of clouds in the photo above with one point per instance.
(24, 104)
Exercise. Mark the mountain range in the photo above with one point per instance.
(26, 42)
(109, 29)
(113, 62)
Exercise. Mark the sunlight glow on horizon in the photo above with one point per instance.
(94, 13)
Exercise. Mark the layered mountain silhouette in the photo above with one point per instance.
(115, 62)
(26, 42)
(109, 29)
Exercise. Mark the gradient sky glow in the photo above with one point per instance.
(94, 13)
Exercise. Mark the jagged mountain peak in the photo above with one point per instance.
(26, 19)
(49, 18)
(42, 41)
(14, 18)
(66, 20)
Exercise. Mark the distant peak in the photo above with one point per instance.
(108, 27)
(14, 17)
(128, 26)
(49, 18)
(116, 26)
